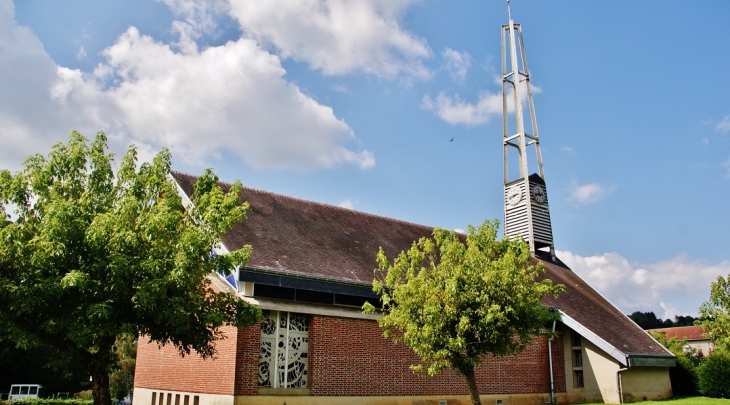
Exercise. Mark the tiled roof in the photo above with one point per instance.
(304, 238)
(683, 332)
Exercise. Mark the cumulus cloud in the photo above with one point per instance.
(724, 125)
(586, 194)
(675, 286)
(347, 204)
(231, 97)
(337, 36)
(455, 111)
(457, 63)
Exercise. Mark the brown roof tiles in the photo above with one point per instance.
(304, 238)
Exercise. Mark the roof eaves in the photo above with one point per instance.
(304, 276)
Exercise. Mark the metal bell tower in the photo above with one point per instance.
(526, 213)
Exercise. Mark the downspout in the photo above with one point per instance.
(619, 381)
(550, 362)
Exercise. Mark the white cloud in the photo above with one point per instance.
(457, 63)
(81, 54)
(337, 36)
(348, 203)
(669, 287)
(568, 150)
(198, 103)
(726, 165)
(724, 125)
(455, 111)
(587, 194)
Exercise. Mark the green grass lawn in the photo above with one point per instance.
(687, 401)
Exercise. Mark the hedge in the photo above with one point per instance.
(48, 401)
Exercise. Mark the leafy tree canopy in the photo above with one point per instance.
(454, 303)
(86, 255)
(715, 313)
(648, 320)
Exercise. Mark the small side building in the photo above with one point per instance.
(696, 337)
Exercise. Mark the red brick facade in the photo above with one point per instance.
(355, 352)
(347, 357)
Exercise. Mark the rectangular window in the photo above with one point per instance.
(33, 390)
(15, 391)
(283, 352)
(577, 358)
(575, 340)
(24, 390)
(578, 380)
(154, 397)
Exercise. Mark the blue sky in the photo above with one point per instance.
(355, 103)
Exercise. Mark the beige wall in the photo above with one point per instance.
(646, 383)
(143, 396)
(599, 374)
(600, 382)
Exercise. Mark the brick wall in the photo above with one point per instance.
(350, 357)
(247, 364)
(347, 357)
(164, 368)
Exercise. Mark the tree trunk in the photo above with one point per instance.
(473, 390)
(100, 387)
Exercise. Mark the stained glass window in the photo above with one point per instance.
(283, 353)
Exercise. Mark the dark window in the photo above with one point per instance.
(15, 391)
(272, 291)
(154, 397)
(196, 400)
(316, 297)
(575, 339)
(177, 399)
(355, 301)
(23, 390)
(579, 379)
(577, 358)
(186, 400)
(33, 390)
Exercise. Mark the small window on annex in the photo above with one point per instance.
(284, 345)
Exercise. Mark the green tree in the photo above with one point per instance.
(121, 379)
(715, 313)
(86, 255)
(453, 303)
(684, 376)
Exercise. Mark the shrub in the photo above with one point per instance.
(684, 376)
(714, 375)
(39, 401)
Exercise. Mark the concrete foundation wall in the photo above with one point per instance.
(144, 396)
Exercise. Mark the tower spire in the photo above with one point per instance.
(526, 213)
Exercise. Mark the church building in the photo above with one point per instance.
(311, 272)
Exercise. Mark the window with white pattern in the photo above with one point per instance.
(283, 354)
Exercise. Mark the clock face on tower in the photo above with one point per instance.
(538, 194)
(514, 195)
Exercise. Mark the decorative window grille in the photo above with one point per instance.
(577, 358)
(284, 345)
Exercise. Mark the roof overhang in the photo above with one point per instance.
(593, 338)
(625, 359)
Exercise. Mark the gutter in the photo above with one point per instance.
(550, 362)
(619, 381)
